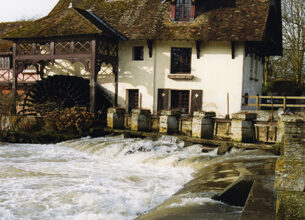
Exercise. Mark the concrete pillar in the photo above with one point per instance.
(203, 124)
(115, 118)
(169, 122)
(242, 127)
(140, 120)
(290, 169)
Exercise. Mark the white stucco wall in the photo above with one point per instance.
(216, 73)
(135, 74)
(252, 78)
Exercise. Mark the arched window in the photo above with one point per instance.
(183, 10)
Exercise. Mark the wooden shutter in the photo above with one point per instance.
(163, 98)
(196, 100)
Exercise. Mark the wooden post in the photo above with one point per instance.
(228, 105)
(257, 102)
(116, 83)
(272, 113)
(284, 103)
(15, 82)
(116, 75)
(93, 78)
(52, 48)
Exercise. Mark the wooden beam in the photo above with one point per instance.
(150, 47)
(198, 45)
(233, 49)
(15, 83)
(93, 78)
(52, 48)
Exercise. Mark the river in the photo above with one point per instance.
(109, 178)
(100, 178)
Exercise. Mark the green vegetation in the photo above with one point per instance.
(291, 66)
(284, 88)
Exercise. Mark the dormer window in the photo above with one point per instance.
(183, 10)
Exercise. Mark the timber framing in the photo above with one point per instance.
(91, 50)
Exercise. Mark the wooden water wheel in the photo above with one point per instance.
(59, 92)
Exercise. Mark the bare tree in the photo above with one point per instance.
(292, 65)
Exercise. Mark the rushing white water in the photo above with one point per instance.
(100, 178)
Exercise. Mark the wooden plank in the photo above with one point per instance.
(295, 97)
(270, 105)
(257, 102)
(296, 105)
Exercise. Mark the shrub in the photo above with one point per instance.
(6, 103)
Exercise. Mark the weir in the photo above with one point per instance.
(214, 177)
(121, 178)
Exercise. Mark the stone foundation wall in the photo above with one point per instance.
(242, 127)
(290, 169)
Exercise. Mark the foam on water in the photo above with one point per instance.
(100, 178)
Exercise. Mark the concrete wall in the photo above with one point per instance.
(253, 69)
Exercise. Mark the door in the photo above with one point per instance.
(133, 99)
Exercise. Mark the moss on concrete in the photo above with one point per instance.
(290, 206)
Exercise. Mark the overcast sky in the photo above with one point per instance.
(12, 10)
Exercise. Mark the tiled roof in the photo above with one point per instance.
(150, 19)
(66, 22)
(5, 45)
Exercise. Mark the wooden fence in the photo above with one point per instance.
(275, 101)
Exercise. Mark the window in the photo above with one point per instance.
(133, 99)
(4, 62)
(183, 10)
(181, 60)
(180, 99)
(138, 53)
